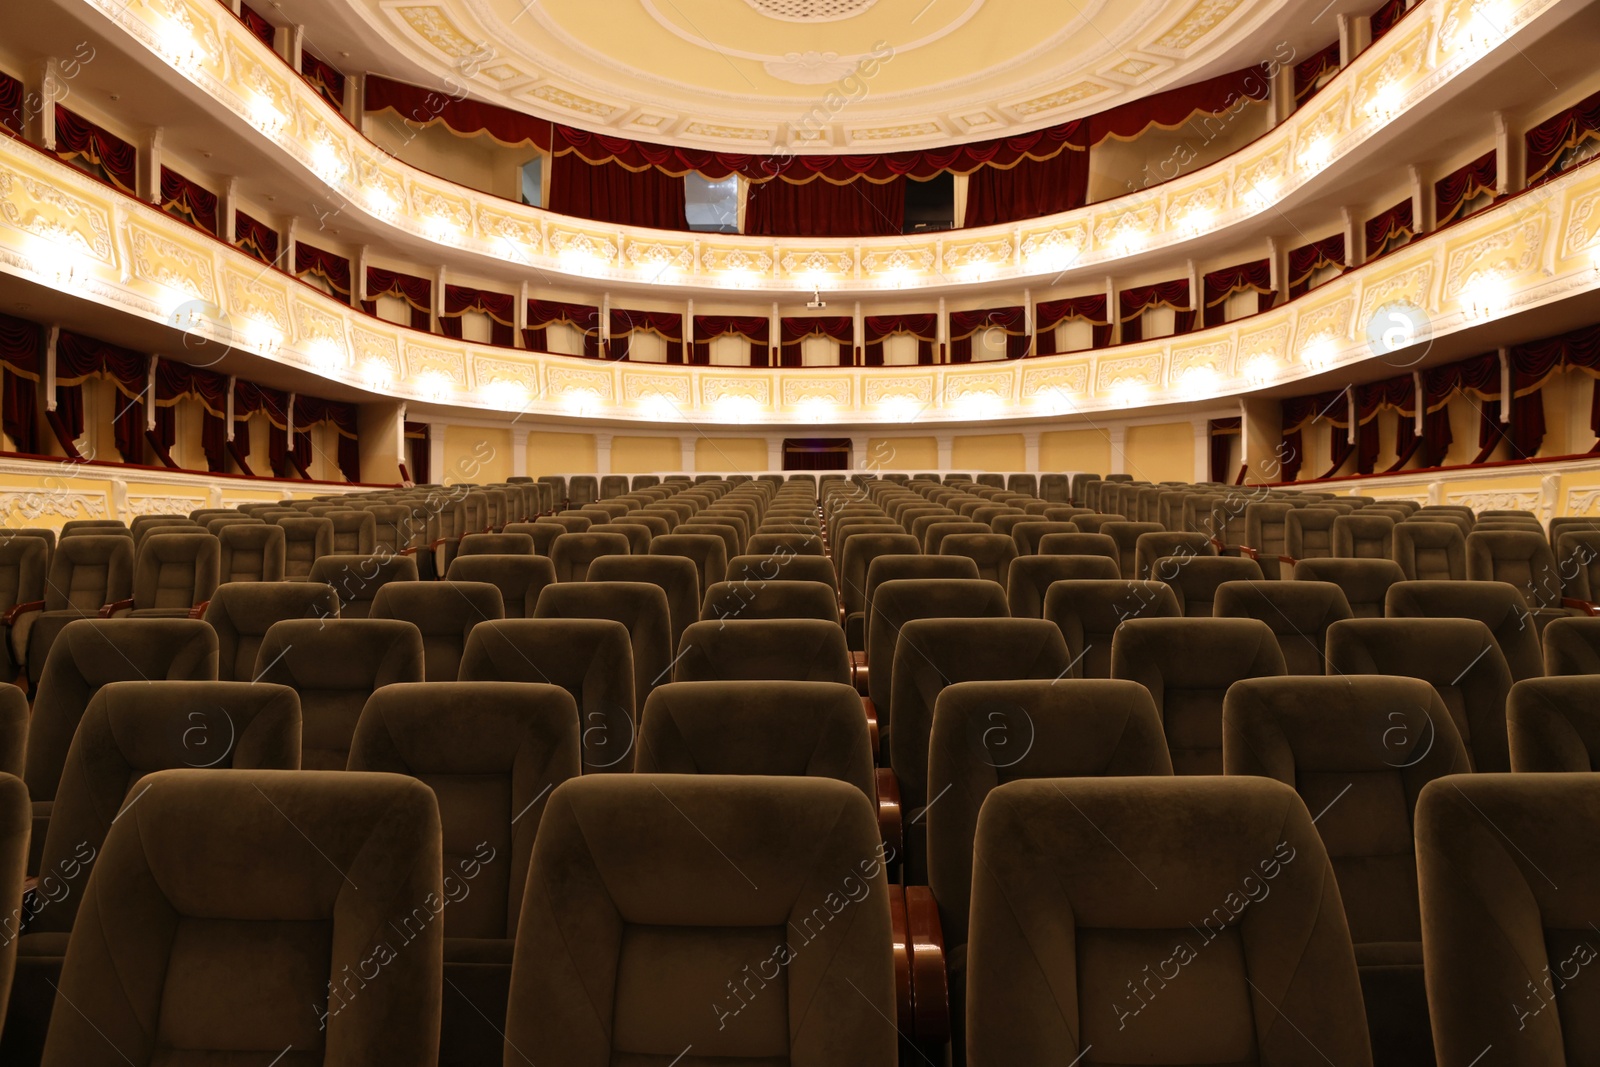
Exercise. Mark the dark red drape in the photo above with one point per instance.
(78, 138)
(1298, 413)
(545, 313)
(22, 358)
(324, 78)
(417, 437)
(668, 325)
(312, 411)
(610, 192)
(792, 332)
(1308, 259)
(1451, 193)
(1385, 17)
(755, 329)
(186, 200)
(13, 104)
(1218, 285)
(822, 209)
(416, 292)
(250, 398)
(1383, 229)
(178, 381)
(255, 238)
(1308, 72)
(1134, 302)
(965, 325)
(320, 263)
(1048, 314)
(258, 25)
(1171, 109)
(500, 307)
(878, 328)
(1549, 140)
(1029, 188)
(79, 357)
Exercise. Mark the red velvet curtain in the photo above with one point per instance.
(1171, 109)
(250, 398)
(13, 105)
(1385, 17)
(416, 292)
(1308, 259)
(178, 381)
(258, 25)
(792, 332)
(755, 329)
(22, 359)
(878, 328)
(312, 411)
(184, 199)
(1134, 302)
(324, 78)
(610, 192)
(1385, 228)
(1298, 413)
(1030, 188)
(1549, 140)
(114, 160)
(255, 238)
(1308, 72)
(860, 208)
(320, 263)
(1218, 285)
(417, 438)
(500, 307)
(668, 325)
(1048, 314)
(79, 358)
(964, 325)
(1451, 193)
(543, 314)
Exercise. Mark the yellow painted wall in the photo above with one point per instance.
(1160, 453)
(731, 455)
(560, 453)
(645, 455)
(475, 454)
(988, 452)
(902, 453)
(1075, 450)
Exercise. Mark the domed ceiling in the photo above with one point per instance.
(815, 75)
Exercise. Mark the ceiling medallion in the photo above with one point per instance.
(811, 10)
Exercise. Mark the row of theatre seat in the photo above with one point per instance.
(741, 772)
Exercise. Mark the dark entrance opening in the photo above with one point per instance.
(816, 453)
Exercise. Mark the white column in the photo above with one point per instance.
(1282, 94)
(774, 454)
(1421, 203)
(1347, 40)
(858, 453)
(686, 352)
(358, 276)
(519, 451)
(1278, 269)
(1355, 252)
(1506, 392)
(1030, 451)
(775, 337)
(39, 98)
(1508, 156)
(858, 336)
(438, 294)
(150, 167)
(290, 239)
(520, 316)
(602, 453)
(1422, 404)
(1202, 448)
(355, 98)
(1027, 318)
(943, 354)
(686, 447)
(1113, 311)
(436, 470)
(946, 443)
(228, 208)
(1119, 460)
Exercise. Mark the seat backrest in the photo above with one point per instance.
(1572, 646)
(22, 571)
(987, 733)
(858, 553)
(131, 729)
(797, 543)
(622, 859)
(993, 553)
(1522, 558)
(802, 729)
(1554, 724)
(91, 653)
(251, 552)
(710, 554)
(335, 665)
(1430, 551)
(519, 578)
(491, 752)
(573, 552)
(1317, 735)
(240, 613)
(936, 532)
(1126, 535)
(444, 613)
(1365, 582)
(355, 533)
(1030, 532)
(1081, 544)
(1195, 580)
(898, 602)
(1578, 559)
(91, 572)
(801, 650)
(1459, 657)
(1308, 533)
(176, 570)
(357, 579)
(306, 539)
(784, 567)
(752, 599)
(1298, 614)
(1497, 605)
(1188, 665)
(639, 606)
(1089, 611)
(495, 544)
(1056, 906)
(544, 532)
(215, 872)
(1497, 855)
(1362, 536)
(592, 659)
(1150, 549)
(1031, 577)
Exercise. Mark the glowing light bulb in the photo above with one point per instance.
(375, 373)
(900, 408)
(505, 395)
(1319, 353)
(1128, 393)
(1198, 221)
(1316, 155)
(1261, 370)
(262, 335)
(431, 385)
(265, 116)
(327, 163)
(326, 354)
(1199, 382)
(1486, 295)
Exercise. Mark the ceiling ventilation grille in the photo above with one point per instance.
(811, 10)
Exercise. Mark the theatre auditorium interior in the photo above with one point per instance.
(799, 533)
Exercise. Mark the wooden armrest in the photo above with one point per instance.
(1585, 606)
(930, 988)
(906, 1022)
(872, 725)
(1288, 561)
(10, 617)
(199, 610)
(1246, 550)
(110, 610)
(889, 816)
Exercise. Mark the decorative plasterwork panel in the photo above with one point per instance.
(1270, 343)
(376, 355)
(1198, 22)
(579, 379)
(150, 504)
(836, 391)
(999, 384)
(256, 296)
(1327, 321)
(1215, 357)
(162, 260)
(642, 385)
(1509, 250)
(1582, 499)
(1129, 370)
(28, 505)
(426, 359)
(880, 388)
(1500, 499)
(1413, 286)
(51, 214)
(1058, 382)
(755, 390)
(487, 371)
